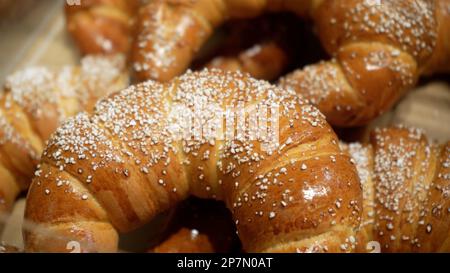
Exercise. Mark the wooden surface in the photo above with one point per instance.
(25, 42)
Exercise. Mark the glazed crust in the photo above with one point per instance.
(8, 249)
(440, 60)
(116, 169)
(264, 46)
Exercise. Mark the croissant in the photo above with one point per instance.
(116, 169)
(107, 27)
(406, 191)
(34, 103)
(102, 26)
(379, 48)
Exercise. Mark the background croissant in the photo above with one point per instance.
(115, 170)
(34, 103)
(406, 189)
(378, 50)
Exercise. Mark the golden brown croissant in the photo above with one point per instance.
(35, 102)
(379, 48)
(115, 170)
(102, 26)
(406, 189)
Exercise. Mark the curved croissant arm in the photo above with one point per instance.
(102, 26)
(379, 49)
(406, 185)
(115, 170)
(34, 103)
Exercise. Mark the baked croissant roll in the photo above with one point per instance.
(102, 26)
(33, 104)
(406, 189)
(114, 170)
(379, 48)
